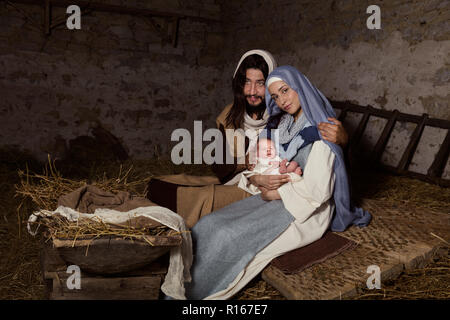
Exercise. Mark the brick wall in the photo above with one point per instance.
(115, 71)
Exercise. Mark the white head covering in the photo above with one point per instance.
(272, 80)
(272, 64)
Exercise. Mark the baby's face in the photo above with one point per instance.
(266, 149)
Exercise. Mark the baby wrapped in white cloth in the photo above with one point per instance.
(268, 163)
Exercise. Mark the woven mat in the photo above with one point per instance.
(325, 248)
(399, 237)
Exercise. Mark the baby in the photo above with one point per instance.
(268, 162)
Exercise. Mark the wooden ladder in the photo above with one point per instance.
(435, 171)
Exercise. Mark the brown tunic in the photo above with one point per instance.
(227, 171)
(192, 197)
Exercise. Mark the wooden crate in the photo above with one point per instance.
(140, 284)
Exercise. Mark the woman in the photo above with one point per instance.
(235, 243)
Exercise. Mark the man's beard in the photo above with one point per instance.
(259, 109)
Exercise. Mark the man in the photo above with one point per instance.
(192, 197)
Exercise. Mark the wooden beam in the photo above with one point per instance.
(437, 167)
(342, 115)
(115, 9)
(106, 288)
(356, 136)
(412, 146)
(47, 17)
(382, 141)
(175, 25)
(171, 17)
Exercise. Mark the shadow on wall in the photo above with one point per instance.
(78, 156)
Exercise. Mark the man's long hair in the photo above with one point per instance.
(235, 117)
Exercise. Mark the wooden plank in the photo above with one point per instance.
(175, 26)
(382, 141)
(356, 136)
(437, 167)
(343, 115)
(141, 240)
(408, 154)
(362, 109)
(50, 258)
(114, 255)
(199, 15)
(47, 17)
(51, 261)
(101, 288)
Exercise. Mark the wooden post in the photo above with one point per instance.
(175, 24)
(412, 146)
(384, 138)
(47, 17)
(437, 167)
(356, 136)
(343, 114)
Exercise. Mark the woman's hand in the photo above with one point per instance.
(334, 133)
(269, 195)
(270, 182)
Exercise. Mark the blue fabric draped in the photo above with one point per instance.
(317, 109)
(299, 147)
(226, 240)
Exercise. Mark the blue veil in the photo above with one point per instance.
(317, 109)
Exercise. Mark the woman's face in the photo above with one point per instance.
(285, 97)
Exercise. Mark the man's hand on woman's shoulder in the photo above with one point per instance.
(334, 133)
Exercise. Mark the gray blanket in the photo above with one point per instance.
(226, 240)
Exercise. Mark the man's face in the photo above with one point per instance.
(254, 87)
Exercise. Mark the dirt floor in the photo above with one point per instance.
(20, 274)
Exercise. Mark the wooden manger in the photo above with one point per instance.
(111, 255)
(113, 266)
(139, 284)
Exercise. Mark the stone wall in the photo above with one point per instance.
(115, 72)
(405, 65)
